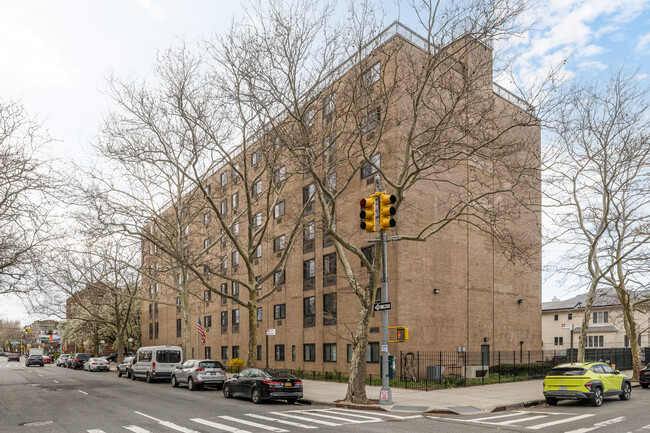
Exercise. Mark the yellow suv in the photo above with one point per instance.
(592, 381)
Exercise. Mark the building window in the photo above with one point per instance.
(155, 310)
(559, 341)
(371, 75)
(308, 118)
(329, 352)
(256, 157)
(278, 210)
(329, 104)
(279, 311)
(235, 352)
(155, 331)
(308, 274)
(329, 269)
(279, 352)
(570, 316)
(279, 243)
(224, 290)
(308, 237)
(257, 220)
(327, 239)
(595, 341)
(370, 120)
(556, 317)
(372, 353)
(224, 263)
(258, 252)
(178, 305)
(235, 200)
(258, 278)
(206, 243)
(259, 352)
(370, 168)
(207, 217)
(207, 321)
(235, 258)
(235, 228)
(600, 317)
(309, 311)
(224, 178)
(309, 351)
(235, 321)
(280, 174)
(235, 288)
(259, 314)
(179, 328)
(224, 207)
(151, 290)
(256, 188)
(207, 295)
(308, 198)
(626, 341)
(224, 352)
(150, 311)
(224, 322)
(151, 331)
(329, 309)
(235, 172)
(278, 278)
(208, 352)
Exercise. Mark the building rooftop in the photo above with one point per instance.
(604, 298)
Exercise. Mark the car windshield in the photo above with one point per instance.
(83, 356)
(127, 360)
(210, 364)
(567, 371)
(35, 356)
(279, 373)
(168, 356)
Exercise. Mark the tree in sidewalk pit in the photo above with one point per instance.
(93, 286)
(197, 167)
(421, 112)
(10, 330)
(599, 175)
(25, 185)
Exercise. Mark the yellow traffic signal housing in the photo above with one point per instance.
(386, 211)
(402, 334)
(367, 214)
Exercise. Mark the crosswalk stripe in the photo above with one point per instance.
(216, 425)
(304, 418)
(487, 418)
(95, 431)
(389, 415)
(353, 421)
(335, 412)
(254, 424)
(281, 421)
(599, 425)
(559, 421)
(176, 427)
(513, 421)
(136, 429)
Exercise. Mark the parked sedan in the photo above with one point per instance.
(264, 384)
(644, 377)
(47, 359)
(13, 357)
(34, 360)
(96, 364)
(199, 372)
(62, 359)
(124, 367)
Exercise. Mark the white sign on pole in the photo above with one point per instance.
(384, 348)
(270, 331)
(565, 326)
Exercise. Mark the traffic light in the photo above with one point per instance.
(402, 334)
(368, 214)
(386, 211)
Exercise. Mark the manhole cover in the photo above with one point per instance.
(35, 423)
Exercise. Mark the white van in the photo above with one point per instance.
(156, 362)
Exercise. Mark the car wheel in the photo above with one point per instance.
(149, 378)
(190, 384)
(226, 391)
(627, 391)
(597, 398)
(292, 400)
(133, 375)
(256, 396)
(644, 385)
(119, 373)
(551, 401)
(174, 381)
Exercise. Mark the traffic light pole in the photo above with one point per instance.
(385, 395)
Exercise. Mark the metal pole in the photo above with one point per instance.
(267, 350)
(385, 395)
(198, 347)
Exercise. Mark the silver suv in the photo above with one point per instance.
(199, 372)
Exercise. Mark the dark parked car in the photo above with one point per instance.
(78, 360)
(125, 366)
(644, 377)
(264, 384)
(112, 357)
(34, 360)
(13, 357)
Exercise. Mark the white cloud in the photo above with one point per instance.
(593, 64)
(155, 10)
(643, 45)
(592, 50)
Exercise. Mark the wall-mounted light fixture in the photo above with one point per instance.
(436, 291)
(486, 339)
(521, 301)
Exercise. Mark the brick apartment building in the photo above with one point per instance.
(456, 291)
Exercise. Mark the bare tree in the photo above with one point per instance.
(458, 133)
(598, 189)
(10, 331)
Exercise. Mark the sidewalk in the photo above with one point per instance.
(461, 400)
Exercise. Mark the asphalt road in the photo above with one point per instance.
(54, 399)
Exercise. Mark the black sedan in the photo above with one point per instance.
(13, 357)
(34, 360)
(644, 376)
(264, 384)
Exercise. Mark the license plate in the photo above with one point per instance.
(562, 388)
(211, 373)
(287, 384)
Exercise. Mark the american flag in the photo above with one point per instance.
(201, 333)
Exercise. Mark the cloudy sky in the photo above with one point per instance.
(54, 55)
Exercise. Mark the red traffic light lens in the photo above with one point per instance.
(363, 202)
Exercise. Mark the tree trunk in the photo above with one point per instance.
(589, 302)
(187, 326)
(633, 336)
(356, 392)
(252, 329)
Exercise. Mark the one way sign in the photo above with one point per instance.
(382, 306)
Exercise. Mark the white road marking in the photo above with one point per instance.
(389, 415)
(281, 421)
(136, 429)
(304, 418)
(358, 415)
(176, 427)
(219, 426)
(83, 392)
(352, 421)
(55, 381)
(513, 421)
(599, 425)
(254, 424)
(559, 421)
(487, 418)
(40, 374)
(148, 416)
(95, 431)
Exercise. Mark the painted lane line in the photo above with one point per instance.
(95, 431)
(148, 416)
(254, 424)
(168, 424)
(218, 426)
(40, 375)
(560, 421)
(83, 392)
(599, 425)
(339, 418)
(304, 418)
(281, 421)
(55, 381)
(136, 429)
(514, 421)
